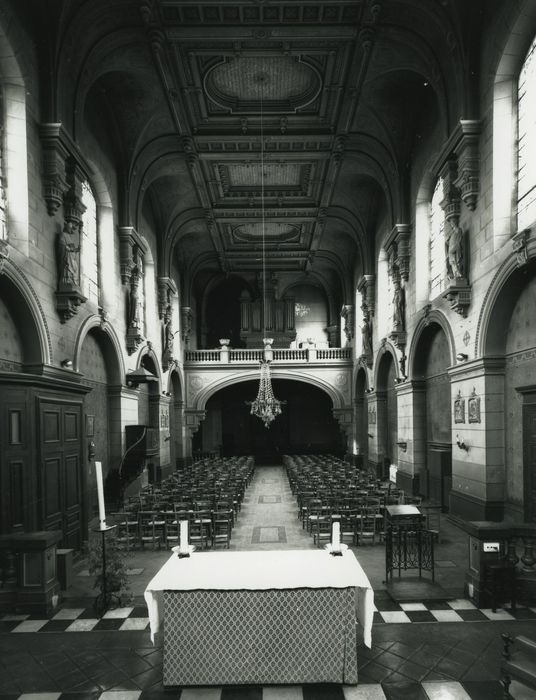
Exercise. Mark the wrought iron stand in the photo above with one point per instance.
(102, 601)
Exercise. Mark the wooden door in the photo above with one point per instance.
(16, 480)
(529, 459)
(60, 442)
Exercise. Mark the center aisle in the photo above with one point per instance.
(269, 519)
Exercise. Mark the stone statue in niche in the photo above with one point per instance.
(455, 254)
(134, 310)
(366, 334)
(167, 354)
(68, 256)
(399, 307)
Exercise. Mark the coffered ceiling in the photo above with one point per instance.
(293, 122)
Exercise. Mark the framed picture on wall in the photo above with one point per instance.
(90, 425)
(473, 408)
(459, 409)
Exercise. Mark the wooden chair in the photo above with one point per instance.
(365, 526)
(148, 531)
(127, 529)
(221, 528)
(322, 530)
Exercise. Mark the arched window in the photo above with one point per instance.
(89, 246)
(3, 198)
(526, 153)
(437, 242)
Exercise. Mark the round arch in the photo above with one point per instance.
(498, 304)
(147, 351)
(434, 317)
(110, 346)
(204, 395)
(16, 288)
(387, 348)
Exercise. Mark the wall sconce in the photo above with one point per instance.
(166, 393)
(461, 443)
(90, 450)
(403, 445)
(399, 380)
(370, 435)
(369, 390)
(462, 357)
(67, 364)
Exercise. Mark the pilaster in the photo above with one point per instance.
(478, 460)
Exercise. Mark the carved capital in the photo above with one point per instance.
(186, 323)
(134, 339)
(459, 294)
(451, 202)
(366, 288)
(166, 290)
(68, 300)
(520, 246)
(128, 241)
(72, 198)
(468, 157)
(347, 312)
(397, 248)
(54, 156)
(398, 339)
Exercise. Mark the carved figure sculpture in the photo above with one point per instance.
(399, 307)
(68, 258)
(455, 251)
(366, 335)
(134, 311)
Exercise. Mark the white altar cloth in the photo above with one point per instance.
(262, 570)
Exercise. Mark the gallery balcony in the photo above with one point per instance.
(279, 356)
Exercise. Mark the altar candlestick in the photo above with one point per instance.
(100, 494)
(336, 536)
(183, 546)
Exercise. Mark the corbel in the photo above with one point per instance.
(468, 158)
(55, 153)
(365, 287)
(166, 289)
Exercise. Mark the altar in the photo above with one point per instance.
(266, 617)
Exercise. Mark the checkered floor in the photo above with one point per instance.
(129, 619)
(428, 690)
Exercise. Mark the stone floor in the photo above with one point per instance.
(418, 650)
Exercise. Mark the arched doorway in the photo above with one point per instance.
(306, 424)
(387, 412)
(432, 358)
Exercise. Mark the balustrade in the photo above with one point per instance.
(280, 355)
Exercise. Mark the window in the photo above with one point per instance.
(437, 242)
(3, 198)
(526, 153)
(88, 245)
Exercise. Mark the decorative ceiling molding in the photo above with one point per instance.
(243, 84)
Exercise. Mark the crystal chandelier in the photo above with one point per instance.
(266, 406)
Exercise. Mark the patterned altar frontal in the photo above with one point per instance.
(290, 636)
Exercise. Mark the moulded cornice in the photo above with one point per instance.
(483, 366)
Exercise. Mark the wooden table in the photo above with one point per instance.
(266, 617)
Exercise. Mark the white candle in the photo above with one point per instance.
(183, 546)
(336, 536)
(100, 494)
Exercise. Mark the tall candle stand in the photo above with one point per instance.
(102, 601)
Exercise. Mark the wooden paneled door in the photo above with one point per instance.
(16, 502)
(60, 442)
(529, 459)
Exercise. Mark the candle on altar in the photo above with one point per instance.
(336, 536)
(100, 494)
(183, 542)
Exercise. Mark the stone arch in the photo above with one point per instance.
(433, 317)
(386, 348)
(20, 295)
(202, 397)
(109, 344)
